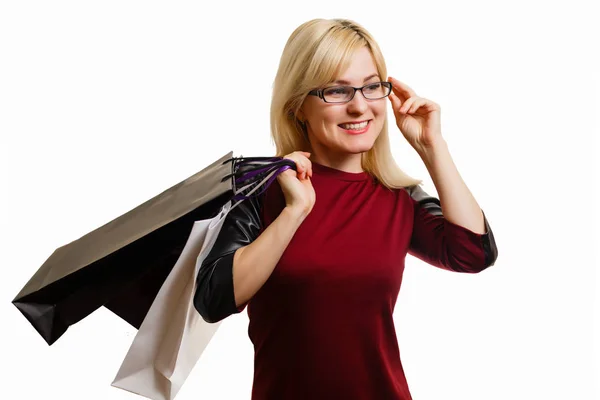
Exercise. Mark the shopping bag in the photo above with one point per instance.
(173, 335)
(123, 264)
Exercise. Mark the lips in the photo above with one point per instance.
(355, 127)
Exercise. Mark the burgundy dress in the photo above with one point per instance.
(322, 325)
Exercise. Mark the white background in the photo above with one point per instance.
(103, 105)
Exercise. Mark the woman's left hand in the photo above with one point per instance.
(417, 118)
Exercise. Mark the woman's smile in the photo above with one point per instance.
(356, 128)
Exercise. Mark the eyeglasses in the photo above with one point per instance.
(344, 94)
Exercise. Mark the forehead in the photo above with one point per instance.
(360, 67)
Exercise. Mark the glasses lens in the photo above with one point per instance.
(338, 94)
(376, 90)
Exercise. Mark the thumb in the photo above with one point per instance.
(396, 103)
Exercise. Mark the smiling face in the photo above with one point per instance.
(339, 133)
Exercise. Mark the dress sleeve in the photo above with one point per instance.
(214, 297)
(444, 244)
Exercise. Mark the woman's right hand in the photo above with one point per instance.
(296, 185)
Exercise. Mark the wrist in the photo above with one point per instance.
(295, 213)
(432, 151)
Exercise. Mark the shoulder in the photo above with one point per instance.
(416, 192)
(423, 199)
(420, 199)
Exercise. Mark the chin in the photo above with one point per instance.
(359, 147)
(363, 144)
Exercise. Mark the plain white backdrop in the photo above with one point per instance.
(103, 105)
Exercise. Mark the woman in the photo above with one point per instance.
(319, 258)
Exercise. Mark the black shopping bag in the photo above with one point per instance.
(123, 264)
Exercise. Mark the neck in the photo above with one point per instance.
(347, 162)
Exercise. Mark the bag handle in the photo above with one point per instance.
(268, 180)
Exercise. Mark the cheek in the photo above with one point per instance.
(380, 113)
(332, 115)
(328, 119)
(379, 109)
(323, 122)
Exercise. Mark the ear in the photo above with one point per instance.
(300, 115)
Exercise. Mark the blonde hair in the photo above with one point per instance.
(313, 55)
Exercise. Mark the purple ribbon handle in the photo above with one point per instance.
(240, 196)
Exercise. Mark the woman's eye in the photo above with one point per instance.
(373, 88)
(337, 91)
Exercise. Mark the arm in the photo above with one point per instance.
(242, 259)
(459, 239)
(459, 205)
(253, 264)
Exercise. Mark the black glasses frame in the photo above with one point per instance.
(320, 92)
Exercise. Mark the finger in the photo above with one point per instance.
(416, 105)
(401, 89)
(301, 170)
(426, 106)
(395, 90)
(298, 165)
(399, 95)
(407, 105)
(307, 164)
(396, 103)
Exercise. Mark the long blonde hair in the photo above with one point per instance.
(313, 55)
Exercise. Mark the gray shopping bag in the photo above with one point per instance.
(123, 264)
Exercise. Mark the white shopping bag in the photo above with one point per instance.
(173, 335)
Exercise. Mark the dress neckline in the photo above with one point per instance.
(339, 174)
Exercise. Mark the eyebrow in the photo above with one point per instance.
(344, 82)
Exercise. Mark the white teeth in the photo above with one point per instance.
(355, 127)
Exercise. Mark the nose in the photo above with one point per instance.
(358, 105)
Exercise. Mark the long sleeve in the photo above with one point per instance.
(214, 298)
(444, 244)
